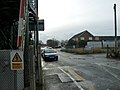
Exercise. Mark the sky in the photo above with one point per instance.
(65, 18)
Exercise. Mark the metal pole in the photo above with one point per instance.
(39, 52)
(115, 20)
(32, 68)
(34, 72)
(15, 79)
(26, 63)
(40, 67)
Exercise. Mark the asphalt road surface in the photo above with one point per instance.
(82, 72)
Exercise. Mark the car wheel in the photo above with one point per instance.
(56, 58)
(44, 59)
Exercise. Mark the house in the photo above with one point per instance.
(94, 40)
(85, 35)
(80, 39)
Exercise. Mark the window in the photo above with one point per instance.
(90, 38)
(82, 38)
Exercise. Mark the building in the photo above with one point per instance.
(88, 37)
(85, 35)
(106, 38)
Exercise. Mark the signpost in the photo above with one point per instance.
(41, 25)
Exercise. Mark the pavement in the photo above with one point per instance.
(62, 79)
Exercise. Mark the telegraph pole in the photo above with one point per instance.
(115, 22)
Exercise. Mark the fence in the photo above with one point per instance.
(100, 44)
(9, 79)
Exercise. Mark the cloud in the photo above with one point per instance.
(65, 18)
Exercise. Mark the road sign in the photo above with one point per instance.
(17, 66)
(41, 25)
(16, 60)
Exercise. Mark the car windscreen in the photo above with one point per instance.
(49, 51)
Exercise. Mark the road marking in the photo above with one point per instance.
(107, 66)
(75, 75)
(91, 87)
(72, 79)
(79, 78)
(114, 75)
(64, 78)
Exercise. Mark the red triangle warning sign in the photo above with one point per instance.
(16, 58)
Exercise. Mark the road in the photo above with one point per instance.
(82, 72)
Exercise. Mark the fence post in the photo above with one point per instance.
(107, 51)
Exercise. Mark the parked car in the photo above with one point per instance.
(49, 54)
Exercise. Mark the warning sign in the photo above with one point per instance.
(17, 60)
(17, 66)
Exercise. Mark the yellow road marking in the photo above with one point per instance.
(80, 78)
(72, 79)
(91, 87)
(75, 75)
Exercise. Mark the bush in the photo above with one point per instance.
(82, 51)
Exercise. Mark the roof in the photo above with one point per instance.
(80, 34)
(108, 37)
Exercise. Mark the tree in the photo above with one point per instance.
(82, 43)
(52, 43)
(64, 43)
(71, 43)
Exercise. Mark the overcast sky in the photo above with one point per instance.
(65, 18)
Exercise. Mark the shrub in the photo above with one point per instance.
(82, 51)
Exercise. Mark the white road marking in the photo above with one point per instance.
(113, 74)
(72, 79)
(107, 65)
(116, 76)
(75, 75)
